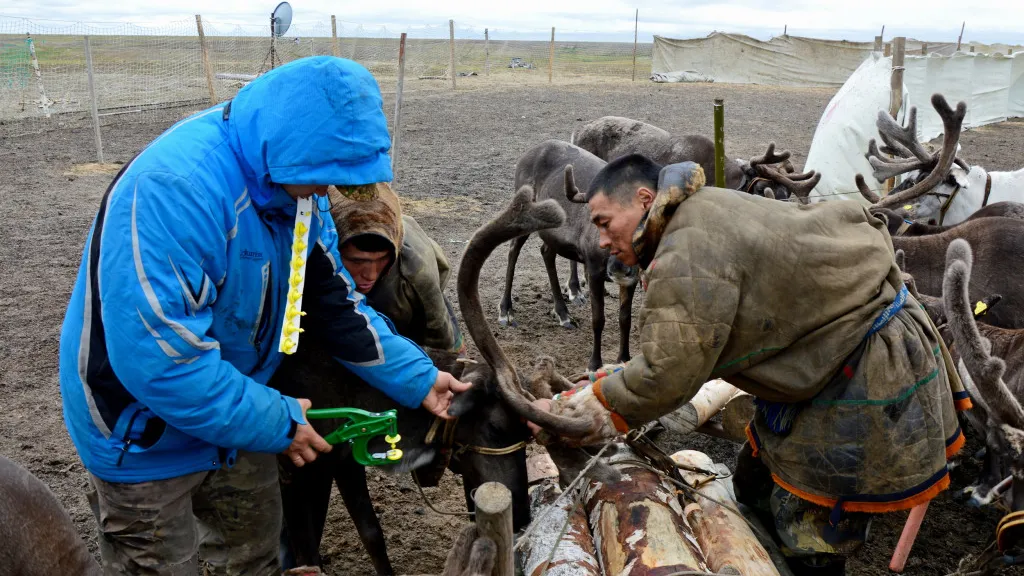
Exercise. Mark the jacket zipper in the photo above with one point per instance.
(127, 441)
(256, 338)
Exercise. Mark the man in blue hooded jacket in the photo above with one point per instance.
(171, 333)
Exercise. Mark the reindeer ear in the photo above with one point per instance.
(465, 402)
(901, 259)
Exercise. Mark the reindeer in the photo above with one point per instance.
(991, 362)
(938, 186)
(612, 137)
(900, 226)
(487, 441)
(998, 245)
(550, 169)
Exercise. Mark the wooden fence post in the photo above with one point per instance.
(493, 505)
(92, 102)
(636, 24)
(899, 46)
(335, 50)
(888, 49)
(396, 133)
(719, 143)
(487, 52)
(961, 37)
(551, 57)
(206, 59)
(43, 100)
(878, 43)
(451, 51)
(924, 48)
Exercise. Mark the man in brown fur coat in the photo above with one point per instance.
(801, 306)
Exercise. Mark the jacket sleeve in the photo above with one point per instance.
(155, 299)
(442, 327)
(686, 321)
(358, 337)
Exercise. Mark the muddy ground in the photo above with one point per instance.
(456, 165)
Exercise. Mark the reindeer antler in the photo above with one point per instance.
(902, 141)
(952, 121)
(571, 191)
(770, 157)
(866, 192)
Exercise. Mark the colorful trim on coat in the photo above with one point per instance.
(962, 401)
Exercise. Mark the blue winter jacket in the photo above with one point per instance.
(172, 330)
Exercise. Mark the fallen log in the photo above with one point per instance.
(736, 415)
(712, 397)
(574, 552)
(728, 543)
(638, 523)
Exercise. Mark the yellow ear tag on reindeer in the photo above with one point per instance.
(908, 207)
(980, 308)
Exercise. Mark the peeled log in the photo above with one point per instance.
(711, 398)
(726, 539)
(575, 553)
(736, 415)
(638, 523)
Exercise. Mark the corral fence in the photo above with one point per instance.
(52, 74)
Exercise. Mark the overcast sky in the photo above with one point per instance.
(935, 20)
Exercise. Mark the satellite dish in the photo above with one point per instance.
(281, 19)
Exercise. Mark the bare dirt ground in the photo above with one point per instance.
(457, 158)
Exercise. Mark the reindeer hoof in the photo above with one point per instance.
(566, 322)
(507, 320)
(577, 299)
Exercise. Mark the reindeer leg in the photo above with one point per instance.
(350, 477)
(596, 272)
(561, 311)
(576, 296)
(304, 501)
(505, 311)
(626, 294)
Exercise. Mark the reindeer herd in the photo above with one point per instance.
(957, 232)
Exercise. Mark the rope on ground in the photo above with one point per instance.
(431, 506)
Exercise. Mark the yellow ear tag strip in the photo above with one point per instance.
(908, 207)
(980, 308)
(293, 310)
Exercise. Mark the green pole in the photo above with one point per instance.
(719, 143)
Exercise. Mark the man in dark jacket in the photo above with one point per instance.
(403, 274)
(174, 323)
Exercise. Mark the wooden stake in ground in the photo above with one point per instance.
(961, 37)
(206, 59)
(878, 43)
(396, 132)
(451, 51)
(636, 24)
(43, 100)
(719, 142)
(899, 46)
(487, 52)
(493, 505)
(92, 102)
(551, 57)
(924, 48)
(335, 50)
(728, 543)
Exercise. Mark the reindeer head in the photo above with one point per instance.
(932, 179)
(773, 176)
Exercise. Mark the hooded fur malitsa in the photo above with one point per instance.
(370, 209)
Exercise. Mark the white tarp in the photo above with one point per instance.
(783, 60)
(847, 125)
(1015, 109)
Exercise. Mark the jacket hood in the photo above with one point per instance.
(367, 210)
(317, 120)
(676, 183)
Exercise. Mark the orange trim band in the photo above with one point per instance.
(619, 422)
(754, 448)
(957, 444)
(963, 404)
(870, 507)
(596, 387)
